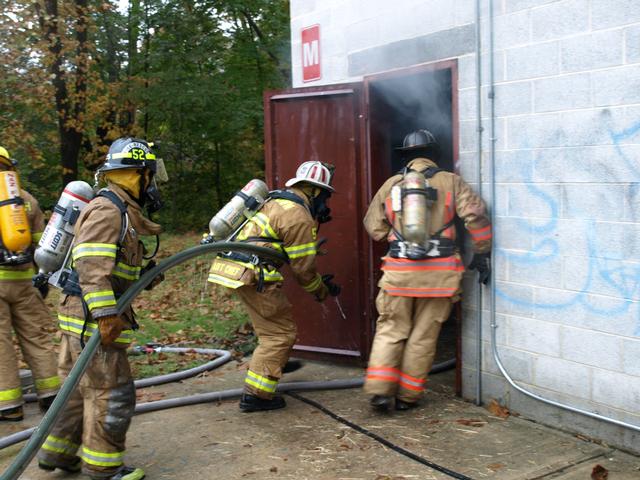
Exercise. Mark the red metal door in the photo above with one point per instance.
(327, 124)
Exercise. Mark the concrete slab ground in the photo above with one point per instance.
(216, 441)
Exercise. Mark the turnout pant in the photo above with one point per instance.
(404, 345)
(97, 416)
(23, 311)
(272, 320)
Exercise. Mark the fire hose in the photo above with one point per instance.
(38, 434)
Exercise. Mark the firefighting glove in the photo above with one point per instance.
(156, 281)
(334, 288)
(482, 263)
(110, 327)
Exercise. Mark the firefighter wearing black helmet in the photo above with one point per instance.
(422, 270)
(107, 255)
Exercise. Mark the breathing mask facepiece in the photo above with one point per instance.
(151, 196)
(319, 209)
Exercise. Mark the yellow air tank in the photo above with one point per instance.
(14, 224)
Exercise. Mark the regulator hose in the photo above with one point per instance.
(25, 455)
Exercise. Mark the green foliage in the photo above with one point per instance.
(188, 75)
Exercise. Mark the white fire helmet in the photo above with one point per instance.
(315, 173)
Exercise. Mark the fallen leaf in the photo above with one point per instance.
(495, 466)
(498, 410)
(273, 469)
(471, 422)
(599, 473)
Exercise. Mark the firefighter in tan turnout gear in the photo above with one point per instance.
(21, 305)
(414, 211)
(288, 222)
(107, 255)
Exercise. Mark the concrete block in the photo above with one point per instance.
(629, 132)
(519, 364)
(511, 99)
(532, 200)
(590, 127)
(453, 42)
(604, 276)
(601, 164)
(559, 19)
(631, 202)
(512, 233)
(301, 7)
(563, 376)
(591, 51)
(611, 13)
(514, 166)
(468, 135)
(531, 61)
(592, 348)
(617, 390)
(424, 18)
(514, 299)
(562, 93)
(536, 131)
(467, 166)
(599, 202)
(535, 268)
(467, 69)
(465, 11)
(623, 238)
(632, 44)
(362, 34)
(515, 5)
(508, 30)
(467, 99)
(631, 356)
(534, 336)
(619, 86)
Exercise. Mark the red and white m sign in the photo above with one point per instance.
(311, 53)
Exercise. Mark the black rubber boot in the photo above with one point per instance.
(381, 403)
(127, 473)
(46, 402)
(15, 414)
(292, 366)
(402, 405)
(251, 403)
(71, 467)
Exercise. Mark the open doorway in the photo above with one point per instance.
(400, 102)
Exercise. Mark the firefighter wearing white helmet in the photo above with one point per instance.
(288, 222)
(22, 308)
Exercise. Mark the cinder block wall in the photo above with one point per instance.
(567, 170)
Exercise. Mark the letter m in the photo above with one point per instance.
(310, 54)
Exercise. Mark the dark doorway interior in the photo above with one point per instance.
(400, 102)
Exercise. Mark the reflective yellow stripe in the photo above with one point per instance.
(17, 274)
(94, 250)
(147, 156)
(47, 383)
(12, 394)
(74, 325)
(103, 298)
(260, 382)
(36, 237)
(101, 459)
(272, 276)
(296, 251)
(224, 281)
(262, 221)
(125, 271)
(60, 445)
(314, 284)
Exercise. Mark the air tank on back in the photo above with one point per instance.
(416, 209)
(14, 224)
(246, 202)
(57, 237)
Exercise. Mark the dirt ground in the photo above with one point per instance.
(218, 441)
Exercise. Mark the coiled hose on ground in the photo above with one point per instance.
(38, 434)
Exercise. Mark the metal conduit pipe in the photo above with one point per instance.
(494, 324)
(228, 394)
(479, 180)
(42, 430)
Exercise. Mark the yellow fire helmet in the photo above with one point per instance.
(6, 158)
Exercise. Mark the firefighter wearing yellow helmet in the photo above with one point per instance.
(288, 222)
(107, 256)
(22, 307)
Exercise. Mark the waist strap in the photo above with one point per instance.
(438, 247)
